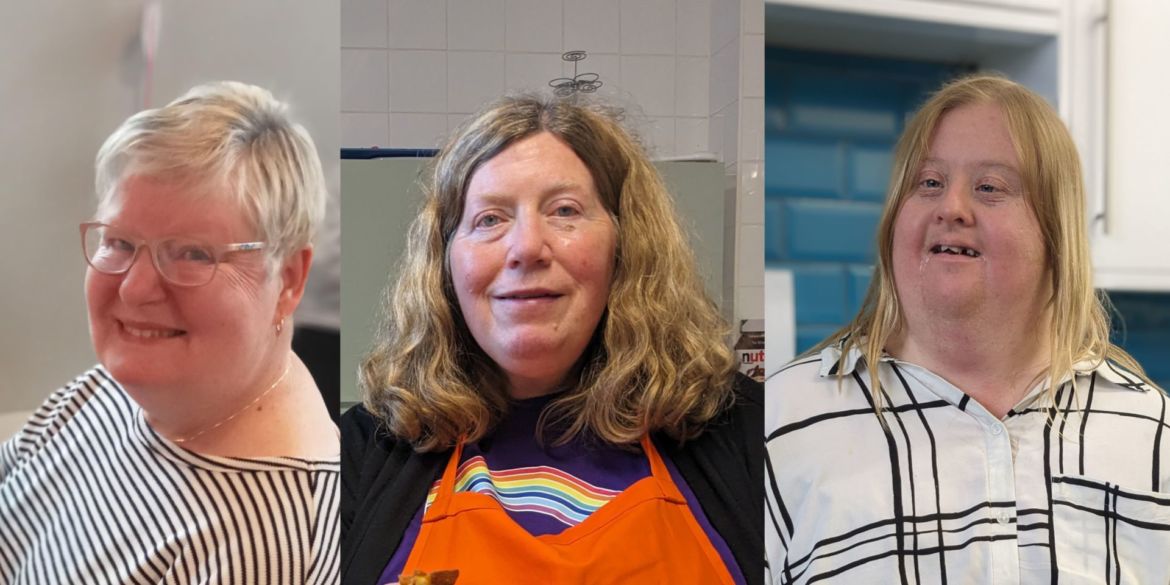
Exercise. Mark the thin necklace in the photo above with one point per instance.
(287, 365)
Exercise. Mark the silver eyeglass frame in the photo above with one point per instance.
(219, 252)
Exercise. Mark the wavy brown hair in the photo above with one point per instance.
(658, 360)
(1055, 193)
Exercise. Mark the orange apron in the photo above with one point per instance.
(646, 534)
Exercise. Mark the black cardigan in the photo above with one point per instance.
(384, 481)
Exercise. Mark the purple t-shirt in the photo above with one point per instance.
(548, 489)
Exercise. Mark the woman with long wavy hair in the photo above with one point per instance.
(552, 395)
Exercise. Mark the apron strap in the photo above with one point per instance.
(447, 483)
(659, 471)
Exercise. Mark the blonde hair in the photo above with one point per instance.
(658, 361)
(1051, 169)
(230, 140)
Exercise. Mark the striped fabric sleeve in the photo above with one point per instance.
(89, 493)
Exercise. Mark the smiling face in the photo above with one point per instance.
(965, 238)
(532, 261)
(163, 341)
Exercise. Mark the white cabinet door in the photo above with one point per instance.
(1130, 242)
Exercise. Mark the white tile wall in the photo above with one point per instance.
(364, 80)
(360, 130)
(648, 27)
(473, 79)
(724, 22)
(692, 86)
(752, 21)
(751, 192)
(534, 25)
(418, 130)
(533, 71)
(650, 78)
(449, 56)
(693, 35)
(750, 256)
(660, 134)
(752, 60)
(725, 76)
(751, 129)
(751, 299)
(453, 122)
(607, 67)
(690, 136)
(418, 24)
(593, 25)
(418, 81)
(475, 25)
(363, 24)
(731, 135)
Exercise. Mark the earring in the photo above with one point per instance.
(280, 326)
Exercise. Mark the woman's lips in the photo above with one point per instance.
(526, 302)
(149, 331)
(955, 250)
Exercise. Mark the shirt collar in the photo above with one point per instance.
(832, 365)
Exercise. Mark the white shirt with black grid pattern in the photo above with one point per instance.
(948, 493)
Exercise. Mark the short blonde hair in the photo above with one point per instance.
(1055, 193)
(231, 140)
(658, 360)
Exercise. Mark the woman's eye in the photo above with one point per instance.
(566, 211)
(119, 244)
(931, 183)
(194, 254)
(487, 221)
(986, 188)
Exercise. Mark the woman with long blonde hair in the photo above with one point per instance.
(552, 397)
(973, 423)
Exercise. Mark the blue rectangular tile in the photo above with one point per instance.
(1141, 326)
(868, 169)
(859, 277)
(820, 291)
(809, 336)
(836, 103)
(803, 168)
(817, 230)
(774, 250)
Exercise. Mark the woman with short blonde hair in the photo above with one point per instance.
(199, 450)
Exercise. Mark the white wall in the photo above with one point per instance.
(412, 69)
(73, 72)
(737, 137)
(689, 71)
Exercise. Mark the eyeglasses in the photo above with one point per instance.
(183, 262)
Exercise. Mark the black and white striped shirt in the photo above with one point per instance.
(948, 493)
(89, 493)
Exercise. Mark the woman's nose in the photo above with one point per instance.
(955, 206)
(528, 243)
(142, 283)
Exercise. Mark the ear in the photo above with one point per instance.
(294, 273)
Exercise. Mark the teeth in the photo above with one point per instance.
(150, 333)
(958, 250)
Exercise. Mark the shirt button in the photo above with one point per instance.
(996, 429)
(1004, 518)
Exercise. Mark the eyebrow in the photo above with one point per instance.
(981, 164)
(496, 197)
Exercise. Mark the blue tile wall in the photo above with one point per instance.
(832, 122)
(830, 230)
(1141, 325)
